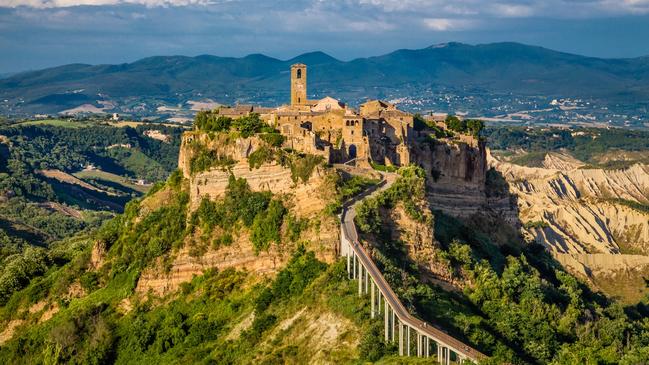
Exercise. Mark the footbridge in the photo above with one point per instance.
(414, 336)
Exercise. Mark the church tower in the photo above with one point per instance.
(298, 84)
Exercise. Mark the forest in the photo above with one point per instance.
(37, 211)
(586, 144)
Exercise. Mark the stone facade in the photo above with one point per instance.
(377, 132)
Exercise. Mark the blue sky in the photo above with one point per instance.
(42, 33)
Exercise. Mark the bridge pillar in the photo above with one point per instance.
(366, 281)
(349, 269)
(408, 341)
(443, 355)
(354, 271)
(360, 279)
(394, 324)
(387, 319)
(372, 299)
(427, 347)
(378, 300)
(400, 338)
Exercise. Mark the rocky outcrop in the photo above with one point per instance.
(305, 199)
(585, 217)
(321, 238)
(421, 247)
(580, 210)
(240, 255)
(456, 174)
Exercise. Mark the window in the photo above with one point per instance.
(299, 73)
(298, 100)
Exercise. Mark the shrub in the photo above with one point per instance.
(372, 346)
(273, 139)
(295, 226)
(302, 167)
(266, 226)
(536, 225)
(203, 159)
(260, 325)
(259, 157)
(384, 168)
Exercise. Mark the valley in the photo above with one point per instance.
(237, 257)
(506, 82)
(488, 245)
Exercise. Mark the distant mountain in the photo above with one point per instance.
(498, 68)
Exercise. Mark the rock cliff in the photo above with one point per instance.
(303, 199)
(456, 174)
(591, 220)
(306, 198)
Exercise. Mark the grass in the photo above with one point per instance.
(384, 168)
(531, 159)
(108, 176)
(66, 123)
(133, 124)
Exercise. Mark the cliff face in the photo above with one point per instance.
(456, 175)
(322, 238)
(583, 209)
(304, 198)
(585, 217)
(421, 246)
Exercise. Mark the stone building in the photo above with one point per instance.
(376, 132)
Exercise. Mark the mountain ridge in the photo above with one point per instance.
(505, 68)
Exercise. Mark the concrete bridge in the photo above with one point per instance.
(414, 337)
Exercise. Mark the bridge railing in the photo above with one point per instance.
(397, 318)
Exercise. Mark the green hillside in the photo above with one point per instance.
(521, 307)
(499, 68)
(46, 192)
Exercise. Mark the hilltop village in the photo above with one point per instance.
(377, 132)
(375, 135)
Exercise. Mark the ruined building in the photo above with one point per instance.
(377, 132)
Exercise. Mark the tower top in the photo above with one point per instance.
(298, 84)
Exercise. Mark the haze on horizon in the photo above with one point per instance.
(43, 33)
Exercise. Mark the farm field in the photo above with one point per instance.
(108, 176)
(66, 123)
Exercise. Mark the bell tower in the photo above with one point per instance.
(298, 84)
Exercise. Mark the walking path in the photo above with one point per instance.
(398, 322)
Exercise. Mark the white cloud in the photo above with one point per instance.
(446, 24)
(512, 10)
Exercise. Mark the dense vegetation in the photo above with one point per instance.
(467, 126)
(453, 124)
(39, 211)
(518, 305)
(246, 126)
(257, 211)
(593, 146)
(192, 325)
